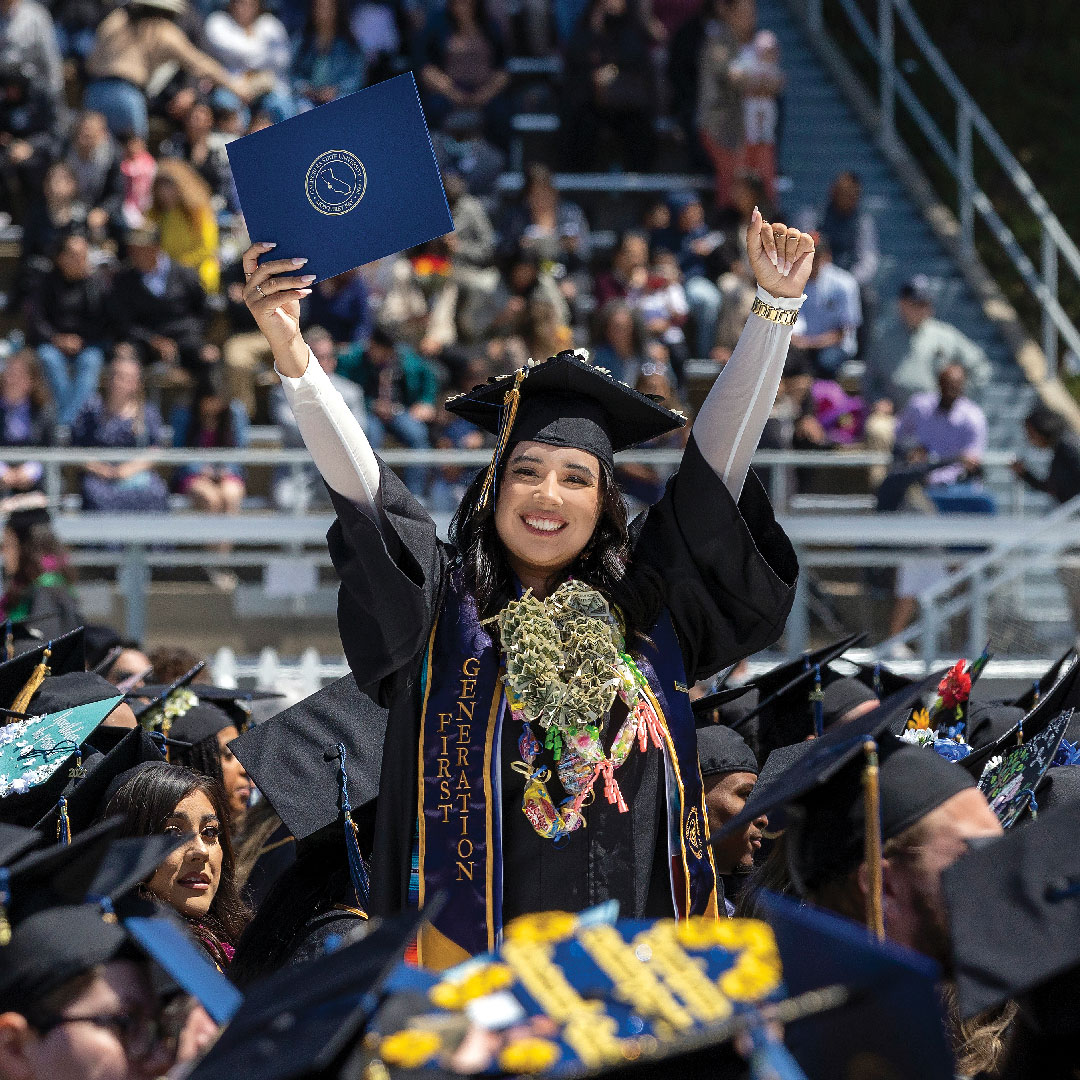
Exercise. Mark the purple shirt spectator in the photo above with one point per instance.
(958, 430)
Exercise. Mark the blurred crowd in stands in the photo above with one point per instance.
(121, 235)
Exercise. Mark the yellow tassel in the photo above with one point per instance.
(875, 914)
(33, 684)
(506, 422)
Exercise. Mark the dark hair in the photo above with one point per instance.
(1047, 423)
(316, 881)
(224, 435)
(149, 797)
(203, 757)
(341, 20)
(40, 551)
(603, 564)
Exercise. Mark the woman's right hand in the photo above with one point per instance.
(273, 297)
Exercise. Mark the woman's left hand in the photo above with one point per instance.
(781, 258)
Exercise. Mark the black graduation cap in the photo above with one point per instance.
(103, 645)
(301, 1020)
(1028, 699)
(564, 401)
(87, 798)
(65, 654)
(1014, 910)
(174, 700)
(202, 721)
(14, 841)
(987, 721)
(234, 701)
(1060, 787)
(882, 680)
(821, 789)
(64, 691)
(293, 759)
(707, 709)
(721, 750)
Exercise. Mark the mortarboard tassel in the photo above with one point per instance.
(357, 870)
(5, 899)
(817, 698)
(877, 679)
(1035, 693)
(875, 915)
(63, 826)
(506, 422)
(37, 677)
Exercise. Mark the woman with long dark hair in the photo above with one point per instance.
(329, 62)
(38, 575)
(536, 669)
(200, 741)
(212, 421)
(196, 880)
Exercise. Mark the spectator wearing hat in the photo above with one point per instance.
(729, 771)
(132, 42)
(1049, 430)
(160, 306)
(825, 335)
(906, 356)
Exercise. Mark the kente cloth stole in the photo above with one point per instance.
(459, 790)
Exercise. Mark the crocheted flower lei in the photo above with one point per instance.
(565, 664)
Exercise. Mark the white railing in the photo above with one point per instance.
(957, 153)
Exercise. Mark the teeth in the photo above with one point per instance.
(543, 524)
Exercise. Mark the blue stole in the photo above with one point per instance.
(459, 789)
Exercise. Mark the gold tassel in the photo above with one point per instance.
(506, 422)
(875, 914)
(33, 684)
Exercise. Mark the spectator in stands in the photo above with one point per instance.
(461, 61)
(121, 417)
(342, 305)
(132, 42)
(906, 356)
(129, 663)
(170, 662)
(757, 74)
(556, 229)
(825, 335)
(400, 390)
(28, 46)
(472, 256)
(38, 576)
(610, 87)
(211, 422)
(449, 482)
(619, 345)
(201, 147)
(160, 307)
(94, 161)
(329, 63)
(30, 129)
(139, 168)
(181, 211)
(663, 309)
(1047, 429)
(629, 268)
(645, 483)
(719, 105)
(26, 419)
(66, 324)
(296, 490)
(851, 230)
(525, 281)
(251, 42)
(698, 253)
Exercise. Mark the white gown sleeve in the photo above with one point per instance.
(733, 414)
(334, 437)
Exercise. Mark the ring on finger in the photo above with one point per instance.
(258, 289)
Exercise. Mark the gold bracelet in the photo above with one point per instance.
(774, 314)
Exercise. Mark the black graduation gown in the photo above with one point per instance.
(729, 573)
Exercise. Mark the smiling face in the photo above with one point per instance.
(188, 879)
(547, 508)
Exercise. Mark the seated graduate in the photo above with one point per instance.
(535, 670)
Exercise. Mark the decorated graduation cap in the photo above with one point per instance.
(721, 750)
(86, 798)
(233, 701)
(21, 676)
(302, 1020)
(829, 789)
(318, 765)
(41, 754)
(167, 703)
(563, 401)
(72, 908)
(1014, 908)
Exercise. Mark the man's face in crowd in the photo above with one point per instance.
(913, 313)
(725, 796)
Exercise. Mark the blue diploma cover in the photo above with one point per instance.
(346, 183)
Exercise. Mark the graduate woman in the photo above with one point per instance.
(540, 749)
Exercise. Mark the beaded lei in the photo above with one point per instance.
(564, 665)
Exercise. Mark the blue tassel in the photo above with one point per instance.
(5, 900)
(357, 870)
(63, 828)
(1067, 754)
(818, 698)
(1033, 806)
(877, 679)
(770, 1059)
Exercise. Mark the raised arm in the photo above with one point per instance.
(732, 417)
(332, 434)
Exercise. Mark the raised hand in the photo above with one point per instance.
(781, 258)
(274, 301)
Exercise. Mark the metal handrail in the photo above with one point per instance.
(1056, 244)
